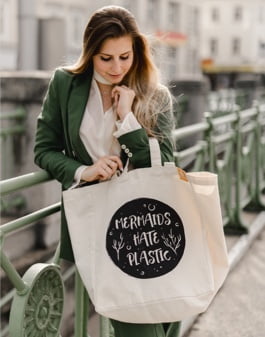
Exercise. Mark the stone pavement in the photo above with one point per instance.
(238, 310)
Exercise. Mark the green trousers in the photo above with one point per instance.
(122, 329)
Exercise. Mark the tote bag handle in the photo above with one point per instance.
(155, 152)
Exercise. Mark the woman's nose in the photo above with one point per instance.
(116, 67)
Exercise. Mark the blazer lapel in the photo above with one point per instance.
(76, 108)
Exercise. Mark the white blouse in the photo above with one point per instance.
(99, 130)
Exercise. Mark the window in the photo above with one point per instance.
(236, 46)
(188, 61)
(76, 27)
(172, 52)
(262, 49)
(238, 13)
(195, 21)
(261, 14)
(173, 15)
(4, 18)
(213, 47)
(2, 15)
(192, 61)
(215, 14)
(153, 12)
(170, 63)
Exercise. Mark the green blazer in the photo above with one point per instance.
(58, 146)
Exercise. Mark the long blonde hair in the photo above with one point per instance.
(115, 22)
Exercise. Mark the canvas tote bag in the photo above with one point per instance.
(149, 244)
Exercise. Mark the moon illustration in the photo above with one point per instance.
(151, 208)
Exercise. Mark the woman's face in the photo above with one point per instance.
(114, 59)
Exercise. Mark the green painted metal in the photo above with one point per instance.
(14, 277)
(12, 130)
(17, 202)
(256, 203)
(28, 219)
(19, 113)
(39, 311)
(37, 277)
(223, 102)
(12, 124)
(232, 145)
(234, 149)
(180, 107)
(105, 327)
(11, 185)
(81, 308)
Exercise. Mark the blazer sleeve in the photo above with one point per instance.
(135, 144)
(50, 141)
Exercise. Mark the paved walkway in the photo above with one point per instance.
(238, 310)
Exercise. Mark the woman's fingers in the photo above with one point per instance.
(112, 164)
(117, 160)
(109, 166)
(103, 169)
(123, 100)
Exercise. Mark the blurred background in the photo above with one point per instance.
(221, 39)
(211, 54)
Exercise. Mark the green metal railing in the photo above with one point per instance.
(17, 116)
(223, 101)
(232, 145)
(12, 127)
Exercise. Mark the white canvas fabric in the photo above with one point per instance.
(149, 244)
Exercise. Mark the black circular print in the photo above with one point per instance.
(145, 238)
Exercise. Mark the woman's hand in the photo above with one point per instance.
(123, 100)
(103, 169)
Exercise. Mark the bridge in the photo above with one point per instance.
(41, 292)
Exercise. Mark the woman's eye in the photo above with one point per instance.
(124, 57)
(106, 59)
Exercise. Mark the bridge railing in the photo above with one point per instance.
(222, 102)
(12, 128)
(232, 146)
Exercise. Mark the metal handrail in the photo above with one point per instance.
(28, 219)
(14, 184)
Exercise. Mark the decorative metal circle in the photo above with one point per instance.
(38, 310)
(45, 305)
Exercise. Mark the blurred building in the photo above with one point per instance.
(8, 34)
(233, 39)
(46, 33)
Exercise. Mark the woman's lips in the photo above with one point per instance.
(115, 76)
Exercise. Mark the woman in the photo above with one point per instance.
(99, 113)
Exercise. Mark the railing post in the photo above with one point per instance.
(208, 137)
(104, 327)
(14, 125)
(257, 204)
(81, 307)
(236, 225)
